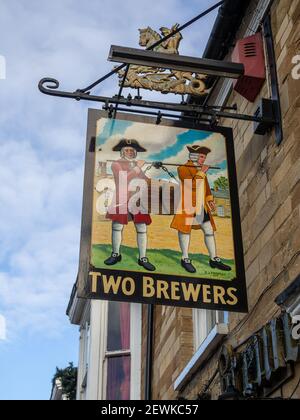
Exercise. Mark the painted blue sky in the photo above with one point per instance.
(185, 139)
(42, 142)
(163, 144)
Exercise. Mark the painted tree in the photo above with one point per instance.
(222, 184)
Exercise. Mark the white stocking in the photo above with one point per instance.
(117, 236)
(141, 230)
(209, 238)
(184, 242)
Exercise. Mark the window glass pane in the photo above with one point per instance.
(211, 321)
(118, 337)
(118, 378)
(221, 211)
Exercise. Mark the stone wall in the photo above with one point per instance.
(173, 348)
(269, 189)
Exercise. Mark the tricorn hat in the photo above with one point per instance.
(129, 143)
(201, 150)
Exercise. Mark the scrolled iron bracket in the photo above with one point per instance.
(50, 86)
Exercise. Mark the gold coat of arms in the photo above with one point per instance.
(160, 79)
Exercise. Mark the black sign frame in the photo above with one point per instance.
(89, 280)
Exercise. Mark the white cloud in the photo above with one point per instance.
(34, 294)
(42, 139)
(39, 235)
(213, 177)
(215, 142)
(152, 138)
(157, 138)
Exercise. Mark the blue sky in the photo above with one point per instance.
(42, 141)
(163, 144)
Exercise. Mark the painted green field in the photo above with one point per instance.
(166, 262)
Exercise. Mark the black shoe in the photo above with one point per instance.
(188, 266)
(144, 262)
(217, 263)
(113, 259)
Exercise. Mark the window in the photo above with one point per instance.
(118, 355)
(110, 352)
(210, 328)
(121, 349)
(204, 322)
(221, 211)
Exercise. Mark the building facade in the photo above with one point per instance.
(206, 355)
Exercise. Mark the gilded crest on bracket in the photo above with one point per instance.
(160, 79)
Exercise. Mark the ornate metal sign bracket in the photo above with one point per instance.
(50, 87)
(184, 78)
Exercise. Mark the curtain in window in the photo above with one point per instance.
(118, 384)
(118, 368)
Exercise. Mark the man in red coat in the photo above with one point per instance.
(126, 170)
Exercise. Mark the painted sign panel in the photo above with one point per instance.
(165, 225)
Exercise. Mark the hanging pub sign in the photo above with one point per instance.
(161, 222)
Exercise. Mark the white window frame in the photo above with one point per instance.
(134, 352)
(81, 367)
(87, 343)
(207, 338)
(97, 374)
(204, 322)
(84, 354)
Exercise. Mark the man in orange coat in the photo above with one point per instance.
(197, 207)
